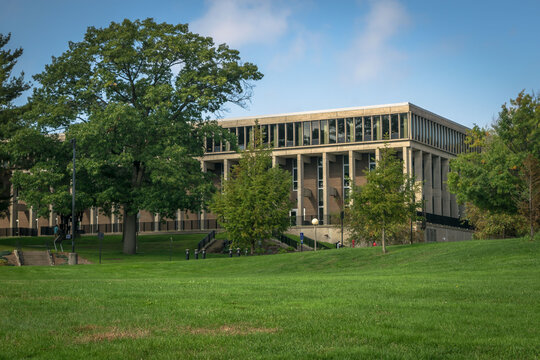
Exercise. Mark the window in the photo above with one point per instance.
(249, 134)
(232, 131)
(290, 134)
(324, 131)
(281, 135)
(332, 131)
(241, 138)
(298, 137)
(394, 126)
(294, 175)
(307, 133)
(217, 146)
(264, 131)
(367, 128)
(403, 126)
(372, 163)
(315, 132)
(386, 126)
(209, 144)
(349, 124)
(320, 190)
(341, 130)
(377, 133)
(358, 129)
(273, 135)
(346, 177)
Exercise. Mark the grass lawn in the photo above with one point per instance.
(466, 300)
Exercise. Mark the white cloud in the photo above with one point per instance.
(371, 53)
(240, 22)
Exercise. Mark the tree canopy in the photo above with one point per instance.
(501, 175)
(136, 95)
(254, 201)
(11, 87)
(385, 202)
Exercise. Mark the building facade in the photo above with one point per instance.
(325, 152)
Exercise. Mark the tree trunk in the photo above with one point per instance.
(383, 241)
(129, 235)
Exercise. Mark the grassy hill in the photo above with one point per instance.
(476, 299)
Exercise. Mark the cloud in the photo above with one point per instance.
(240, 22)
(371, 53)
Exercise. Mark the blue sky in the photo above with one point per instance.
(459, 59)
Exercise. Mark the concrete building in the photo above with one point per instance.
(325, 151)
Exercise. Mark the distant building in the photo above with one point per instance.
(326, 151)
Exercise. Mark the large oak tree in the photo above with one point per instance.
(135, 96)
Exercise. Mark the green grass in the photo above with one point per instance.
(467, 300)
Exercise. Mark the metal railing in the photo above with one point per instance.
(206, 240)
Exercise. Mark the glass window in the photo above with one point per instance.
(324, 131)
(249, 134)
(295, 175)
(281, 135)
(367, 128)
(241, 138)
(307, 133)
(377, 133)
(332, 131)
(358, 129)
(349, 127)
(264, 132)
(272, 135)
(315, 132)
(209, 145)
(298, 137)
(372, 163)
(290, 134)
(394, 126)
(217, 146)
(341, 130)
(386, 126)
(403, 126)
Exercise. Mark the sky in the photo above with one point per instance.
(459, 59)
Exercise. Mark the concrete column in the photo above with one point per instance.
(407, 160)
(157, 218)
(92, 219)
(428, 183)
(445, 193)
(419, 174)
(437, 202)
(276, 160)
(325, 167)
(179, 218)
(352, 167)
(300, 189)
(226, 168)
(377, 155)
(454, 209)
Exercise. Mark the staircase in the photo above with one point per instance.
(35, 258)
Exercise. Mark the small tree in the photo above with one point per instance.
(10, 89)
(384, 202)
(254, 201)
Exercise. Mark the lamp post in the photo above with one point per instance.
(315, 222)
(37, 227)
(18, 228)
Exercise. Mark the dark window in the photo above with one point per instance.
(241, 138)
(324, 131)
(394, 126)
(403, 128)
(377, 134)
(209, 143)
(332, 131)
(290, 134)
(341, 130)
(349, 124)
(272, 135)
(358, 129)
(217, 146)
(367, 128)
(264, 132)
(281, 135)
(315, 132)
(249, 135)
(386, 126)
(307, 133)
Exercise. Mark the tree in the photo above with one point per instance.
(254, 201)
(136, 96)
(384, 203)
(11, 87)
(501, 174)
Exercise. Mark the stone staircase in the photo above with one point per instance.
(35, 258)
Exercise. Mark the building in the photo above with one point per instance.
(326, 151)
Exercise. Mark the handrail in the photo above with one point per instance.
(206, 240)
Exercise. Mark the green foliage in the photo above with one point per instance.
(385, 203)
(135, 96)
(501, 175)
(491, 225)
(11, 87)
(254, 202)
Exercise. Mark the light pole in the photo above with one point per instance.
(315, 222)
(73, 141)
(18, 228)
(37, 227)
